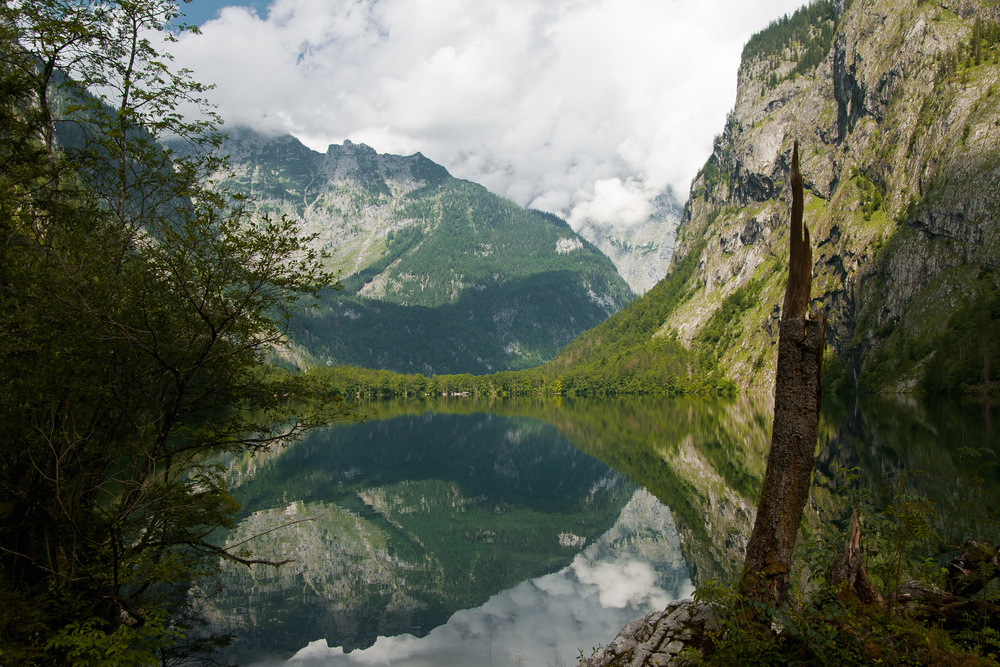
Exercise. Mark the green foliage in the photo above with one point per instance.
(821, 631)
(807, 34)
(820, 625)
(984, 507)
(87, 644)
(482, 240)
(136, 309)
(627, 353)
(897, 527)
(756, 633)
(871, 196)
(724, 325)
(713, 177)
(513, 325)
(967, 353)
(622, 355)
(836, 379)
(474, 283)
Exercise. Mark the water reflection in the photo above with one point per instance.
(634, 568)
(705, 460)
(427, 535)
(395, 525)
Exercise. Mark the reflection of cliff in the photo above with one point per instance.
(411, 519)
(705, 459)
(644, 546)
(702, 459)
(927, 442)
(634, 568)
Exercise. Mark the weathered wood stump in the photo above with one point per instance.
(801, 341)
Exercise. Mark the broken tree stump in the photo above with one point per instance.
(848, 574)
(767, 567)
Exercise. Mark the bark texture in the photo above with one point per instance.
(848, 573)
(766, 570)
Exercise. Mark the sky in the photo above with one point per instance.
(584, 108)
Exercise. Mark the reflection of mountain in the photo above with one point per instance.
(705, 459)
(410, 519)
(426, 513)
(634, 568)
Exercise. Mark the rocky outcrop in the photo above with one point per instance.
(659, 638)
(351, 197)
(898, 127)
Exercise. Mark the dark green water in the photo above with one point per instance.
(456, 533)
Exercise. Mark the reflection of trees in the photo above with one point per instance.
(887, 437)
(414, 517)
(705, 459)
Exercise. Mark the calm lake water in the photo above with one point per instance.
(524, 532)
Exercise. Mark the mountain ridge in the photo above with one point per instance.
(440, 275)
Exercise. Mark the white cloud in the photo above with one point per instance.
(586, 108)
(634, 568)
(613, 201)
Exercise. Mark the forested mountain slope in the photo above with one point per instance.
(896, 105)
(440, 275)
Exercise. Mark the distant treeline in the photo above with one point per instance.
(351, 381)
(621, 356)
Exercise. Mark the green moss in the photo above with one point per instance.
(725, 324)
(815, 205)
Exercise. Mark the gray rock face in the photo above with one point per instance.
(658, 639)
(898, 128)
(351, 197)
(641, 252)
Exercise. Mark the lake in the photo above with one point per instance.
(526, 532)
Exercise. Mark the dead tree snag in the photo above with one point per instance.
(767, 567)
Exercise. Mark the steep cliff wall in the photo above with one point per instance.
(896, 106)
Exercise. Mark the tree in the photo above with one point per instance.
(137, 311)
(767, 567)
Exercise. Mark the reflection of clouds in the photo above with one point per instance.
(633, 569)
(622, 583)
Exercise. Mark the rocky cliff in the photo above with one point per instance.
(641, 252)
(895, 104)
(440, 275)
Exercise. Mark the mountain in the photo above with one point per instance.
(641, 252)
(896, 109)
(439, 274)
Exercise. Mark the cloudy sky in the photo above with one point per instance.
(585, 108)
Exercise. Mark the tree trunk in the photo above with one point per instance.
(848, 574)
(767, 568)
